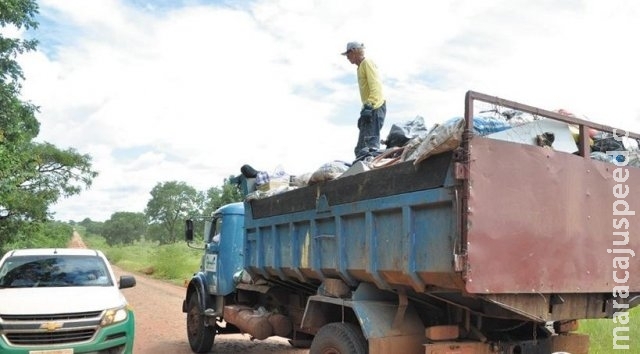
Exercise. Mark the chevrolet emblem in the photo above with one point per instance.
(51, 326)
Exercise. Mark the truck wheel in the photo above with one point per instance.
(200, 336)
(339, 338)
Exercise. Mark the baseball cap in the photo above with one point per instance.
(353, 45)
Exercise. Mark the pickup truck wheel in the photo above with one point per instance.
(339, 338)
(200, 336)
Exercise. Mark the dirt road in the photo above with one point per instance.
(161, 324)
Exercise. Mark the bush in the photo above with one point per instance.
(96, 242)
(175, 261)
(40, 235)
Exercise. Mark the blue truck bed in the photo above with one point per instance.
(394, 226)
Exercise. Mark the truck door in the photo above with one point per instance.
(211, 261)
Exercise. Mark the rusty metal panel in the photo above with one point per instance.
(541, 221)
(544, 307)
(457, 348)
(411, 344)
(573, 343)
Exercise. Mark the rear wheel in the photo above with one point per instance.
(339, 338)
(200, 335)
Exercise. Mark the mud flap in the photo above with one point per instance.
(390, 327)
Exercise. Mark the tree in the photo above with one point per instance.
(217, 197)
(124, 228)
(33, 175)
(21, 14)
(157, 232)
(170, 204)
(45, 174)
(92, 227)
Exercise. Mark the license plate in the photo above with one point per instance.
(52, 351)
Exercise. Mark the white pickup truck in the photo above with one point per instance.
(63, 301)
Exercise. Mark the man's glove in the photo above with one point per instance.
(367, 111)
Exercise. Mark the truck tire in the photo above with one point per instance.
(200, 336)
(339, 338)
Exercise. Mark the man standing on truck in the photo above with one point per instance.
(374, 107)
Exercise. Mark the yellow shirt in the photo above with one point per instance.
(369, 83)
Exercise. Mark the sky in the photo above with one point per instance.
(191, 90)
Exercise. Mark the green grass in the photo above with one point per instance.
(601, 334)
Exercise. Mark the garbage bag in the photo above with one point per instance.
(442, 137)
(400, 134)
(328, 171)
(488, 125)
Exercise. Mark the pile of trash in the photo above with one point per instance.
(411, 141)
(609, 148)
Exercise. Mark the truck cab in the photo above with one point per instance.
(222, 235)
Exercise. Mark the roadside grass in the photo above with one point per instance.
(600, 333)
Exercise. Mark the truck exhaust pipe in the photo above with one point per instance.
(260, 323)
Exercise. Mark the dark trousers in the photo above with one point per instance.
(369, 136)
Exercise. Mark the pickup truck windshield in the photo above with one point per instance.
(54, 271)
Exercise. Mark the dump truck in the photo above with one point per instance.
(499, 245)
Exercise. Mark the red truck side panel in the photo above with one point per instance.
(541, 221)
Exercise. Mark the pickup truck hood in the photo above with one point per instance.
(27, 301)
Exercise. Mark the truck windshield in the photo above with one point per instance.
(54, 271)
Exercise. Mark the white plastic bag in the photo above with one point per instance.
(441, 138)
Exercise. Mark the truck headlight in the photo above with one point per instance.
(112, 316)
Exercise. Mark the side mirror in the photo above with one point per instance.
(127, 281)
(188, 230)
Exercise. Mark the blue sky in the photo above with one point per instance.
(190, 91)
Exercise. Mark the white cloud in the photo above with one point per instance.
(192, 93)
